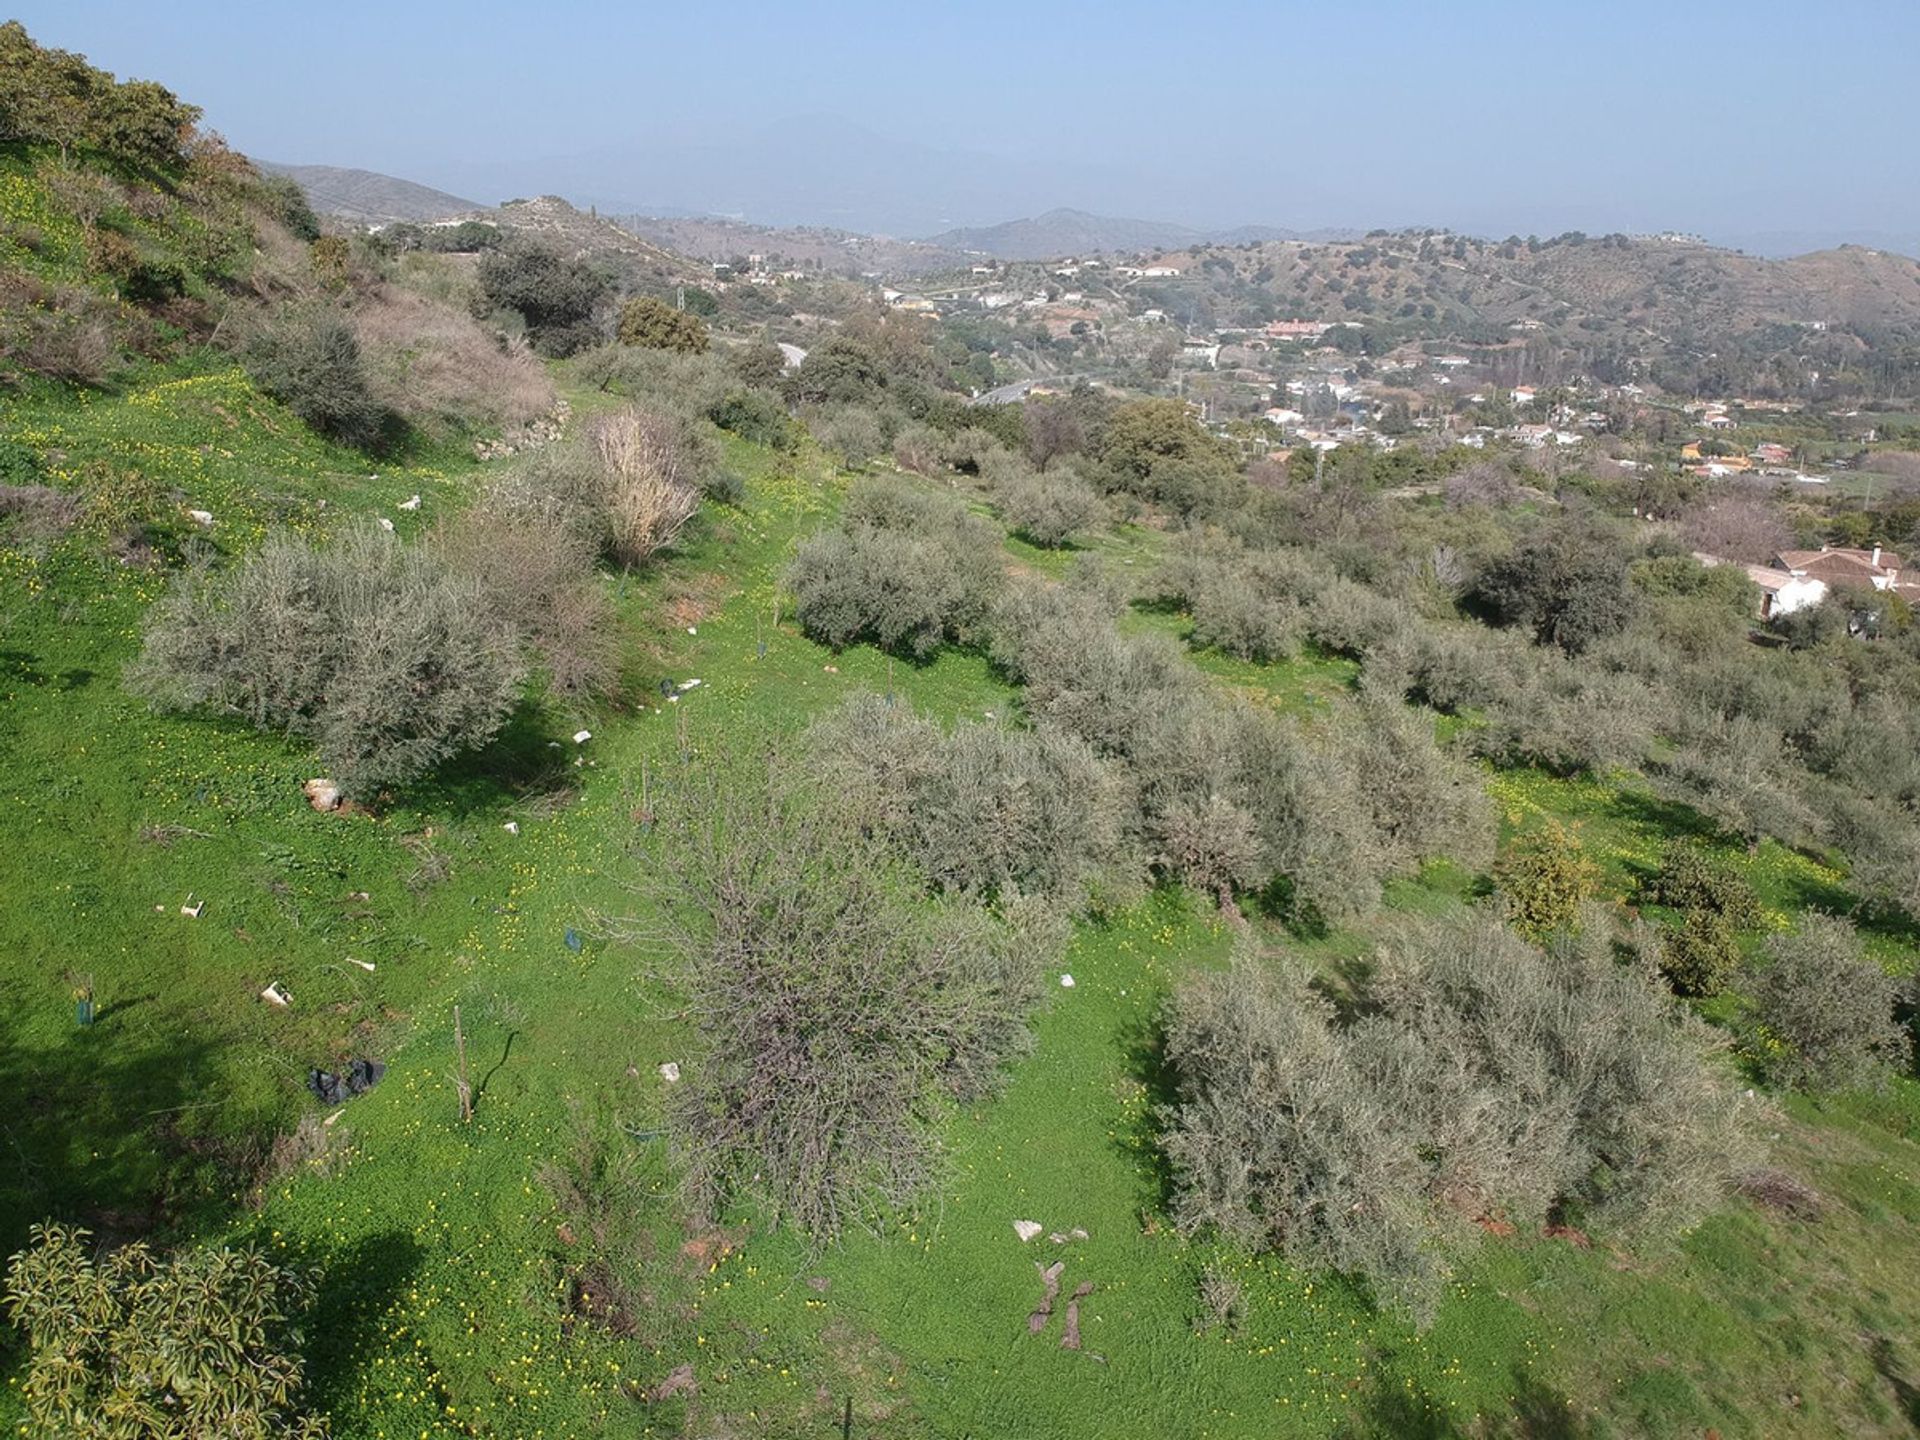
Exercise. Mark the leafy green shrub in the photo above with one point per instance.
(838, 1011)
(1473, 1079)
(556, 297)
(135, 1345)
(1830, 1007)
(757, 416)
(905, 571)
(309, 360)
(1570, 589)
(379, 653)
(655, 325)
(1692, 878)
(1702, 956)
(1544, 878)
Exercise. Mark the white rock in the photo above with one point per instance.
(580, 737)
(411, 503)
(670, 1072)
(692, 631)
(386, 524)
(273, 996)
(1066, 982)
(689, 684)
(512, 827)
(202, 518)
(1026, 1229)
(322, 794)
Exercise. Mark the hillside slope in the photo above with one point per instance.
(367, 197)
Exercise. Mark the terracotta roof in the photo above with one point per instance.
(1801, 559)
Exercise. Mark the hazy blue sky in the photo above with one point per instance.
(1732, 119)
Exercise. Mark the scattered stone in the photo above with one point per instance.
(1070, 1340)
(412, 502)
(1066, 982)
(670, 1072)
(693, 630)
(322, 794)
(202, 518)
(512, 827)
(1077, 1233)
(831, 669)
(679, 1381)
(580, 737)
(1026, 1229)
(1050, 1277)
(274, 995)
(385, 524)
(689, 684)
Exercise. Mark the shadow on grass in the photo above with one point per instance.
(1400, 1410)
(105, 1130)
(344, 1324)
(1143, 1049)
(1906, 1393)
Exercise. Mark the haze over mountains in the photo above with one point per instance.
(710, 184)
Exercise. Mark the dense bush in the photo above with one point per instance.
(655, 325)
(1701, 957)
(309, 359)
(1570, 589)
(1545, 877)
(1692, 878)
(378, 652)
(851, 432)
(1474, 1079)
(982, 810)
(556, 297)
(757, 416)
(536, 578)
(53, 97)
(1051, 509)
(128, 1345)
(905, 571)
(837, 1009)
(1828, 1008)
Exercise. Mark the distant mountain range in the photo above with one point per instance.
(367, 197)
(1076, 232)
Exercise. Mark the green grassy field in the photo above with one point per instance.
(460, 1280)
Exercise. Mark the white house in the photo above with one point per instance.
(1781, 591)
(1154, 272)
(1521, 395)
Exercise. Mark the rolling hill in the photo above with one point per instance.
(1077, 232)
(366, 197)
